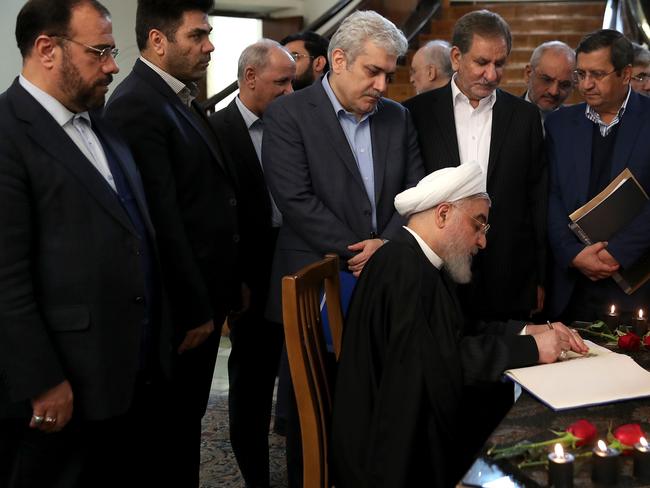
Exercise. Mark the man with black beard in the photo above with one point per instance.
(81, 326)
(405, 357)
(309, 50)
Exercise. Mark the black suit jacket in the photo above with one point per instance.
(254, 203)
(190, 195)
(71, 281)
(507, 273)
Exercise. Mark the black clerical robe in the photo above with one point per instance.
(403, 368)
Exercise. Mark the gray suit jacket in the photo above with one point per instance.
(313, 176)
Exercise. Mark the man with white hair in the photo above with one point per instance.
(640, 81)
(405, 359)
(431, 66)
(265, 72)
(549, 76)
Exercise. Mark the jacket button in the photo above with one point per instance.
(233, 202)
(235, 238)
(139, 300)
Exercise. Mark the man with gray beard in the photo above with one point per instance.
(405, 357)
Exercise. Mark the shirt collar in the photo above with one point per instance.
(428, 252)
(594, 116)
(338, 108)
(187, 93)
(249, 117)
(459, 97)
(56, 109)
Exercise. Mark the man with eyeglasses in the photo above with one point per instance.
(407, 353)
(588, 145)
(81, 323)
(549, 76)
(309, 50)
(472, 120)
(641, 70)
(193, 204)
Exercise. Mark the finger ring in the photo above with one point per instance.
(562, 356)
(38, 419)
(50, 420)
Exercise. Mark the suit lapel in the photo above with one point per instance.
(380, 135)
(583, 130)
(324, 116)
(501, 116)
(46, 133)
(443, 113)
(628, 132)
(200, 126)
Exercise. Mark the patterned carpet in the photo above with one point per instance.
(218, 465)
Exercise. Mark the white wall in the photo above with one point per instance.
(11, 60)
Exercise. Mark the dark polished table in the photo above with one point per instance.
(531, 420)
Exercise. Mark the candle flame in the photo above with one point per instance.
(602, 446)
(559, 452)
(612, 309)
(643, 442)
(640, 313)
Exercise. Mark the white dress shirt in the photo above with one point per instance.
(428, 252)
(77, 126)
(473, 127)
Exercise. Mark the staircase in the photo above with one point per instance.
(531, 24)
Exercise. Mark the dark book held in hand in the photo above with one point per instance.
(609, 212)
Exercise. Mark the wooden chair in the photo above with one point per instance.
(306, 350)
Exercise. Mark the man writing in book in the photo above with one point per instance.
(406, 359)
(588, 145)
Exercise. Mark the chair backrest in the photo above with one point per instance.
(306, 350)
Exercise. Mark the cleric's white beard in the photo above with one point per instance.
(458, 260)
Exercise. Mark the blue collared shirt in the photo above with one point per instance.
(358, 135)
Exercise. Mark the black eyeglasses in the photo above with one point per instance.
(582, 75)
(102, 54)
(641, 77)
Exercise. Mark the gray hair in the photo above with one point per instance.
(437, 52)
(483, 23)
(641, 55)
(367, 25)
(257, 56)
(557, 46)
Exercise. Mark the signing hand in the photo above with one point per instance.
(365, 249)
(52, 410)
(589, 263)
(196, 337)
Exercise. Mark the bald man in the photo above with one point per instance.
(548, 76)
(431, 66)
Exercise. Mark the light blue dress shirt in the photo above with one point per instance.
(358, 135)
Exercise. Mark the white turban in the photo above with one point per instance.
(444, 185)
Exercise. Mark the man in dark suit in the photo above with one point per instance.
(588, 145)
(80, 321)
(335, 154)
(191, 198)
(265, 72)
(468, 120)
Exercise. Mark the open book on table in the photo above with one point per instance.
(602, 376)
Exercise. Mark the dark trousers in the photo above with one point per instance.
(252, 366)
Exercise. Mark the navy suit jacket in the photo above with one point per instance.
(71, 279)
(314, 179)
(568, 141)
(190, 194)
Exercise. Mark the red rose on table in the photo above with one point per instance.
(646, 340)
(626, 436)
(584, 430)
(629, 342)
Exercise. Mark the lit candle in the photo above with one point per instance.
(640, 324)
(611, 319)
(560, 468)
(604, 464)
(642, 460)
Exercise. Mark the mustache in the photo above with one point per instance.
(372, 93)
(107, 80)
